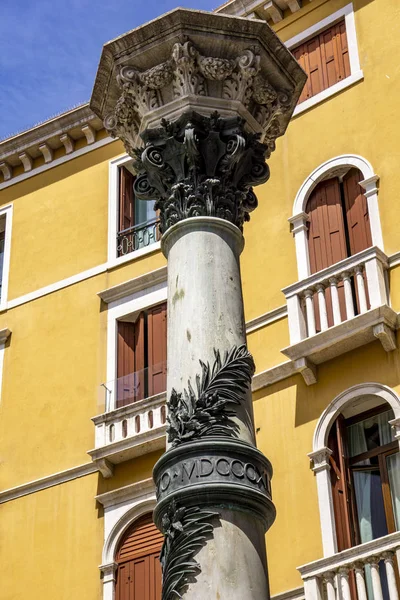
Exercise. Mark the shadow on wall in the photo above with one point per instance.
(367, 364)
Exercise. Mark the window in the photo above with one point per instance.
(325, 59)
(338, 227)
(138, 574)
(365, 475)
(328, 53)
(142, 355)
(137, 220)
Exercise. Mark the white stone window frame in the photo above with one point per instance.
(320, 454)
(6, 213)
(113, 208)
(128, 306)
(356, 73)
(122, 507)
(334, 167)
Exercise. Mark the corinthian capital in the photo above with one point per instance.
(201, 166)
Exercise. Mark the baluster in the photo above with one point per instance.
(362, 298)
(376, 578)
(308, 294)
(329, 579)
(337, 318)
(391, 575)
(344, 583)
(360, 581)
(348, 295)
(323, 315)
(312, 589)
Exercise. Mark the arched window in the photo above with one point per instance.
(338, 227)
(365, 475)
(138, 573)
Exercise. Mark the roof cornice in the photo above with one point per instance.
(79, 126)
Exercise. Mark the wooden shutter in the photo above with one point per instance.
(140, 357)
(326, 238)
(131, 361)
(325, 59)
(341, 487)
(356, 212)
(125, 363)
(138, 574)
(157, 349)
(126, 199)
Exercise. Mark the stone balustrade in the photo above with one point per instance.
(129, 431)
(370, 569)
(314, 303)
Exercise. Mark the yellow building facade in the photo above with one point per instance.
(76, 465)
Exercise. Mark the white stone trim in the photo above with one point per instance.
(327, 516)
(295, 594)
(266, 319)
(55, 287)
(330, 168)
(46, 482)
(7, 213)
(56, 162)
(121, 508)
(328, 92)
(356, 73)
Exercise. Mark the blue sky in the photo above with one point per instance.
(49, 51)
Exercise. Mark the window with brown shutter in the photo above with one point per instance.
(338, 228)
(142, 356)
(325, 59)
(138, 575)
(365, 477)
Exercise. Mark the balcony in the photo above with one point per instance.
(341, 308)
(371, 569)
(134, 420)
(137, 237)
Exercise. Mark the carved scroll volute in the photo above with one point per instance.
(239, 85)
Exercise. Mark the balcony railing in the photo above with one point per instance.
(130, 421)
(137, 237)
(133, 387)
(133, 420)
(336, 294)
(367, 572)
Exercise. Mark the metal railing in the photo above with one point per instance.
(137, 237)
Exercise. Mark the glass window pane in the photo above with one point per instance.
(393, 467)
(370, 433)
(370, 506)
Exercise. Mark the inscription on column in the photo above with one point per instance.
(214, 469)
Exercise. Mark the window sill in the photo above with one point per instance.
(121, 260)
(378, 323)
(331, 91)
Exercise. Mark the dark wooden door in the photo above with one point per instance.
(138, 574)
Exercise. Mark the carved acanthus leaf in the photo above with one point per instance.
(206, 413)
(186, 531)
(187, 72)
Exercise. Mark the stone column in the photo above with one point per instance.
(208, 95)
